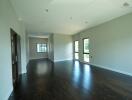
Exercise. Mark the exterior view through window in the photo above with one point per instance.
(86, 50)
(76, 49)
(41, 48)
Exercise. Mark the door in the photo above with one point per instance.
(19, 54)
(86, 53)
(76, 50)
(14, 54)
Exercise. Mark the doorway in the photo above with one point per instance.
(15, 57)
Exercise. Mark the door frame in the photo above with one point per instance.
(15, 56)
(83, 50)
(75, 51)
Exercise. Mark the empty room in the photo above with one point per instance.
(65, 49)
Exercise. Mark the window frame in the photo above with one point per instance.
(40, 47)
(75, 50)
(83, 48)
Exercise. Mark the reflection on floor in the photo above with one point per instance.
(71, 80)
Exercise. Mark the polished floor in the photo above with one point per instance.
(71, 80)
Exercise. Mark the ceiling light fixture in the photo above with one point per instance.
(126, 4)
(47, 10)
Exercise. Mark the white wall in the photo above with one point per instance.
(51, 48)
(110, 44)
(62, 47)
(7, 21)
(23, 36)
(33, 54)
(27, 48)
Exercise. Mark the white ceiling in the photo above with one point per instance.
(67, 16)
(39, 35)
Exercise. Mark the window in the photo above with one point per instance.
(76, 49)
(86, 50)
(41, 48)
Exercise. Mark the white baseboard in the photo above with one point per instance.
(108, 68)
(37, 58)
(62, 60)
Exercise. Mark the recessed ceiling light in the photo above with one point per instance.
(47, 10)
(126, 4)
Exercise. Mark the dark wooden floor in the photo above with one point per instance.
(71, 80)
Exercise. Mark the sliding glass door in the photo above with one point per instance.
(86, 50)
(76, 50)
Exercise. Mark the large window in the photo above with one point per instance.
(41, 48)
(76, 49)
(86, 50)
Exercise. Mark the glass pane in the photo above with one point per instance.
(38, 49)
(76, 46)
(86, 45)
(86, 57)
(76, 55)
(41, 48)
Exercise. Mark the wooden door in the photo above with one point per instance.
(14, 54)
(19, 54)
